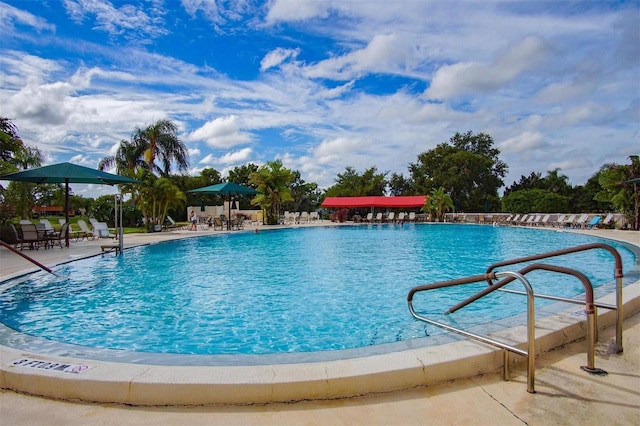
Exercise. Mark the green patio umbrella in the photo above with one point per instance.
(67, 173)
(228, 189)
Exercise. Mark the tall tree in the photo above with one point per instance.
(467, 167)
(353, 184)
(10, 143)
(272, 180)
(160, 141)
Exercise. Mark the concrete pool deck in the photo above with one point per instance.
(565, 394)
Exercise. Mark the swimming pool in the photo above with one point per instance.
(279, 291)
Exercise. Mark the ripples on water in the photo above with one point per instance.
(292, 290)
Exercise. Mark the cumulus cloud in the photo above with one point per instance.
(337, 148)
(222, 132)
(470, 77)
(285, 10)
(523, 142)
(384, 53)
(236, 157)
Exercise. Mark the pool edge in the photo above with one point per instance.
(137, 384)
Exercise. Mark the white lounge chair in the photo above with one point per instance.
(607, 220)
(401, 216)
(412, 216)
(391, 217)
(84, 228)
(582, 221)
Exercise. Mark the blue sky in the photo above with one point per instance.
(323, 85)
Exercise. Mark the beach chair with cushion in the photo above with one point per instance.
(378, 218)
(391, 217)
(412, 216)
(369, 217)
(401, 216)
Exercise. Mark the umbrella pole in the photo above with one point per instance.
(66, 211)
(229, 218)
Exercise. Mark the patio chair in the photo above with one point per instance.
(378, 218)
(369, 217)
(16, 237)
(31, 236)
(401, 216)
(58, 238)
(313, 216)
(85, 228)
(172, 224)
(391, 217)
(593, 223)
(412, 216)
(607, 220)
(217, 224)
(582, 221)
(103, 230)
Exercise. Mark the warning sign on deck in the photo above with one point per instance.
(50, 365)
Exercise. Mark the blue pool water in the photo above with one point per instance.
(280, 291)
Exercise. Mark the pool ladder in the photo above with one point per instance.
(509, 276)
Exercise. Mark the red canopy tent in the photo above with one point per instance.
(375, 201)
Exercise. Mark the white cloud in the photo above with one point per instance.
(10, 14)
(286, 10)
(336, 149)
(236, 157)
(471, 77)
(277, 57)
(524, 142)
(223, 132)
(384, 53)
(128, 21)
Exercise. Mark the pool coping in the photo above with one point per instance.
(145, 384)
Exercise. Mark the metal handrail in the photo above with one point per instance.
(618, 275)
(529, 353)
(35, 262)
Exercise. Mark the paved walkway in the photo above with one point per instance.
(565, 394)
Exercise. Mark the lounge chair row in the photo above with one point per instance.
(290, 218)
(390, 217)
(583, 221)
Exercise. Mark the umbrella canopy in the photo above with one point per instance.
(67, 173)
(228, 189)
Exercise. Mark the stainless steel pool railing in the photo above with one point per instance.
(511, 276)
(618, 275)
(529, 353)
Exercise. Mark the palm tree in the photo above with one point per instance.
(437, 203)
(272, 180)
(156, 197)
(160, 141)
(129, 156)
